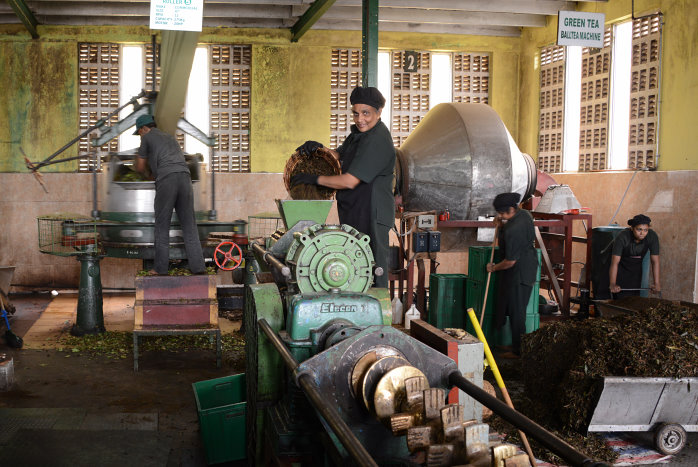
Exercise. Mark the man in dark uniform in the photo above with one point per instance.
(365, 188)
(173, 190)
(629, 249)
(519, 266)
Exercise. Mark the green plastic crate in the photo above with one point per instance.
(475, 294)
(222, 406)
(478, 257)
(447, 300)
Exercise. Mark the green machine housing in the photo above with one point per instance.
(325, 298)
(334, 331)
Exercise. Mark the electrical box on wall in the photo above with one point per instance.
(420, 242)
(434, 241)
(426, 222)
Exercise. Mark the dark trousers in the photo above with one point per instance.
(175, 192)
(516, 303)
(379, 245)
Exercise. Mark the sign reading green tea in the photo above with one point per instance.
(176, 15)
(579, 28)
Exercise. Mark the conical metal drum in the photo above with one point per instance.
(459, 158)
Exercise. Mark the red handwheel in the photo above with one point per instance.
(228, 256)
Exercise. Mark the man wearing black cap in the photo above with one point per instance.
(519, 266)
(173, 190)
(365, 188)
(629, 249)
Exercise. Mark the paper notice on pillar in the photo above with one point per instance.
(579, 28)
(176, 15)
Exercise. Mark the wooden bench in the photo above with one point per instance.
(175, 306)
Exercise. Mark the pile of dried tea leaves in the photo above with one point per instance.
(210, 270)
(316, 165)
(592, 445)
(119, 345)
(564, 362)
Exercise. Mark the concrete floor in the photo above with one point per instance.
(96, 411)
(87, 411)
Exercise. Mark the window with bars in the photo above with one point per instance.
(230, 106)
(98, 81)
(229, 100)
(345, 76)
(409, 97)
(594, 105)
(644, 92)
(471, 77)
(618, 88)
(552, 101)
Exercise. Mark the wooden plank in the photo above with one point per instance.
(175, 287)
(203, 312)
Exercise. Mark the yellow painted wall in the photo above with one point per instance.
(38, 101)
(290, 85)
(678, 138)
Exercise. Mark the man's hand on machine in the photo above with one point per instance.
(309, 147)
(308, 179)
(615, 288)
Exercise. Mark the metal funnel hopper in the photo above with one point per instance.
(293, 211)
(459, 158)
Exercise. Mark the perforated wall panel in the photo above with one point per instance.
(98, 82)
(552, 108)
(644, 92)
(345, 76)
(471, 78)
(595, 101)
(230, 106)
(410, 99)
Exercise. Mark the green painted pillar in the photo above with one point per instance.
(369, 43)
(90, 316)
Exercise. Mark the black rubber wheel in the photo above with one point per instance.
(669, 438)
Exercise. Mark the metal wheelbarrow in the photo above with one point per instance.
(666, 406)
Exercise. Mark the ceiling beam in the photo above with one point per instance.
(429, 28)
(227, 22)
(539, 7)
(25, 16)
(120, 8)
(413, 15)
(310, 17)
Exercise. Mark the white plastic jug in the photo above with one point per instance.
(397, 311)
(412, 313)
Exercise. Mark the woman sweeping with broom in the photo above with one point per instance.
(519, 266)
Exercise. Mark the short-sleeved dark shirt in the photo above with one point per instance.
(163, 153)
(625, 245)
(370, 157)
(518, 244)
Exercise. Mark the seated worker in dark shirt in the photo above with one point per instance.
(365, 198)
(173, 190)
(629, 249)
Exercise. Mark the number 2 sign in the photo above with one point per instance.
(411, 61)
